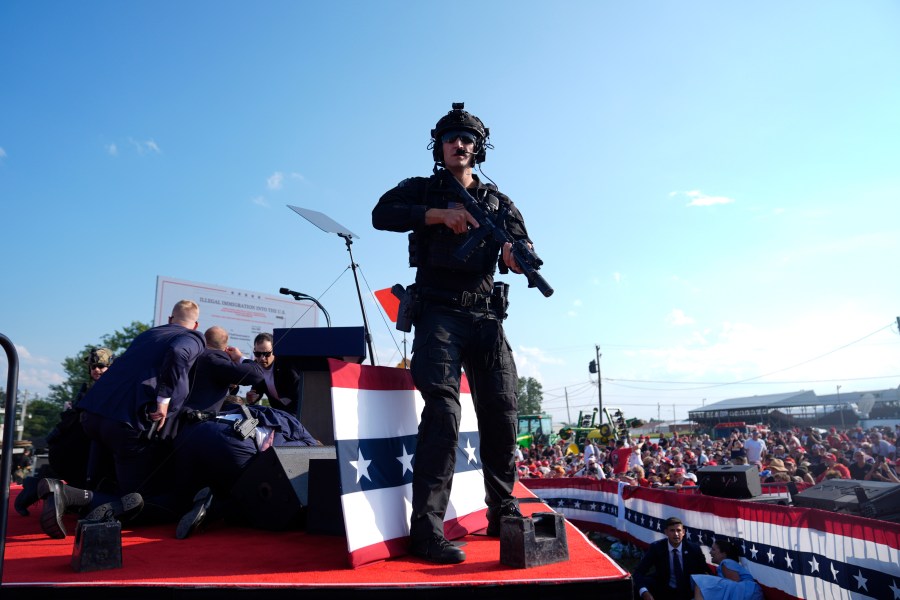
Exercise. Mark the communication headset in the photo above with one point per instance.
(457, 118)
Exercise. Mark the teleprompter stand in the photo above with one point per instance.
(329, 225)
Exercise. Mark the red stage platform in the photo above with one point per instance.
(224, 561)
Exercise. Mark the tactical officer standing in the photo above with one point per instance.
(458, 311)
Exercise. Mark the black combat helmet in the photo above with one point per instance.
(460, 120)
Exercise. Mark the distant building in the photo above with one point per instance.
(805, 409)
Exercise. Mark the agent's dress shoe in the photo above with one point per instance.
(193, 519)
(123, 509)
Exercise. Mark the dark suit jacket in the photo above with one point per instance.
(288, 383)
(653, 571)
(157, 363)
(214, 373)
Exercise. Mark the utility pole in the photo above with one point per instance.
(594, 367)
(20, 426)
(568, 414)
(840, 407)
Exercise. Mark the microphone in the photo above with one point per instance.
(302, 296)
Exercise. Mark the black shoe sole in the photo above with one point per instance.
(193, 519)
(51, 517)
(124, 509)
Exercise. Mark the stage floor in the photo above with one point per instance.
(231, 561)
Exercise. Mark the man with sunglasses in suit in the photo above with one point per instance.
(458, 317)
(281, 383)
(665, 570)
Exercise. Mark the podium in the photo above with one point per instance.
(304, 351)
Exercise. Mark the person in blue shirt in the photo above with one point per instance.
(732, 581)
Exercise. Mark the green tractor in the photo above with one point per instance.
(601, 433)
(535, 429)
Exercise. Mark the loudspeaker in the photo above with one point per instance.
(730, 481)
(324, 513)
(274, 486)
(841, 496)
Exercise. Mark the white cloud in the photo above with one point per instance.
(112, 149)
(36, 373)
(538, 355)
(2, 152)
(259, 200)
(275, 181)
(678, 318)
(617, 277)
(698, 198)
(577, 302)
(142, 147)
(298, 176)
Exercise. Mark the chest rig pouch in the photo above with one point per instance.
(435, 245)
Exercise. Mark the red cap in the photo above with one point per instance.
(830, 456)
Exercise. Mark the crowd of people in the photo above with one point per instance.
(799, 455)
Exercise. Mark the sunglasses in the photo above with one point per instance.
(262, 354)
(452, 136)
(99, 367)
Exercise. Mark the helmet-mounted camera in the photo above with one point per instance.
(460, 121)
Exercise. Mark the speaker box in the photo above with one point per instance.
(730, 481)
(274, 486)
(324, 513)
(841, 496)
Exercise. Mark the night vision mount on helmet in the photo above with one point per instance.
(461, 120)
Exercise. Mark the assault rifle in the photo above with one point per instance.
(523, 254)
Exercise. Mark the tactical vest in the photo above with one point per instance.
(434, 246)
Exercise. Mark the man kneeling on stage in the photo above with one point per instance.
(211, 455)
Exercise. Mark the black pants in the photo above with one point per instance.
(448, 339)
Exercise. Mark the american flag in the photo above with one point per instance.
(793, 552)
(376, 419)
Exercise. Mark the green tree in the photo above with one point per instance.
(42, 417)
(531, 394)
(76, 368)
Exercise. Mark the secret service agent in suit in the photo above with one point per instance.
(210, 457)
(281, 381)
(216, 370)
(666, 568)
(147, 383)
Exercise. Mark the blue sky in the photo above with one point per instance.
(713, 186)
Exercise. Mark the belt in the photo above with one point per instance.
(463, 299)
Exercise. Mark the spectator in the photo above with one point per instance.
(732, 580)
(832, 466)
(755, 448)
(859, 468)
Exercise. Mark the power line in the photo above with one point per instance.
(702, 385)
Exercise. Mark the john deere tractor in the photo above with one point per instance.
(535, 429)
(601, 433)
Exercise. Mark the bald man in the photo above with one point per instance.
(145, 386)
(216, 370)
